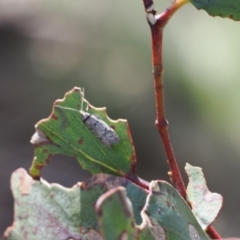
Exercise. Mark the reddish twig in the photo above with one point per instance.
(212, 233)
(157, 22)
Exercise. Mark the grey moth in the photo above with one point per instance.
(98, 127)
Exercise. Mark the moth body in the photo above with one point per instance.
(100, 129)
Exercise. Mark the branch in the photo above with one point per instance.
(157, 22)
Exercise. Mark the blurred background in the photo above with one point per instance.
(49, 46)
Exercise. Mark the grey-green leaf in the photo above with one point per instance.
(50, 211)
(205, 205)
(165, 207)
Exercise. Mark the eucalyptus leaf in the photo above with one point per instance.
(222, 8)
(65, 132)
(116, 219)
(165, 216)
(205, 204)
(165, 207)
(51, 211)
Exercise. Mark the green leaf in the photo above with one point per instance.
(205, 205)
(167, 208)
(165, 216)
(136, 194)
(116, 220)
(221, 8)
(115, 215)
(64, 132)
(50, 211)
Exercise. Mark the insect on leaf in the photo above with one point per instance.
(100, 129)
(100, 144)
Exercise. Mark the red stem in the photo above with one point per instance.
(157, 23)
(212, 233)
(161, 121)
(138, 181)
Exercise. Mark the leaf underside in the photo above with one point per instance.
(50, 211)
(205, 204)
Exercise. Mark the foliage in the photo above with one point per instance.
(64, 132)
(114, 203)
(222, 8)
(43, 210)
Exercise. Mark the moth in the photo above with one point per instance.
(98, 127)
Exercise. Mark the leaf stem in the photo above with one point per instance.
(212, 233)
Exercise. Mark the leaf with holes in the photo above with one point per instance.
(50, 211)
(167, 208)
(205, 205)
(222, 8)
(100, 144)
(165, 216)
(116, 219)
